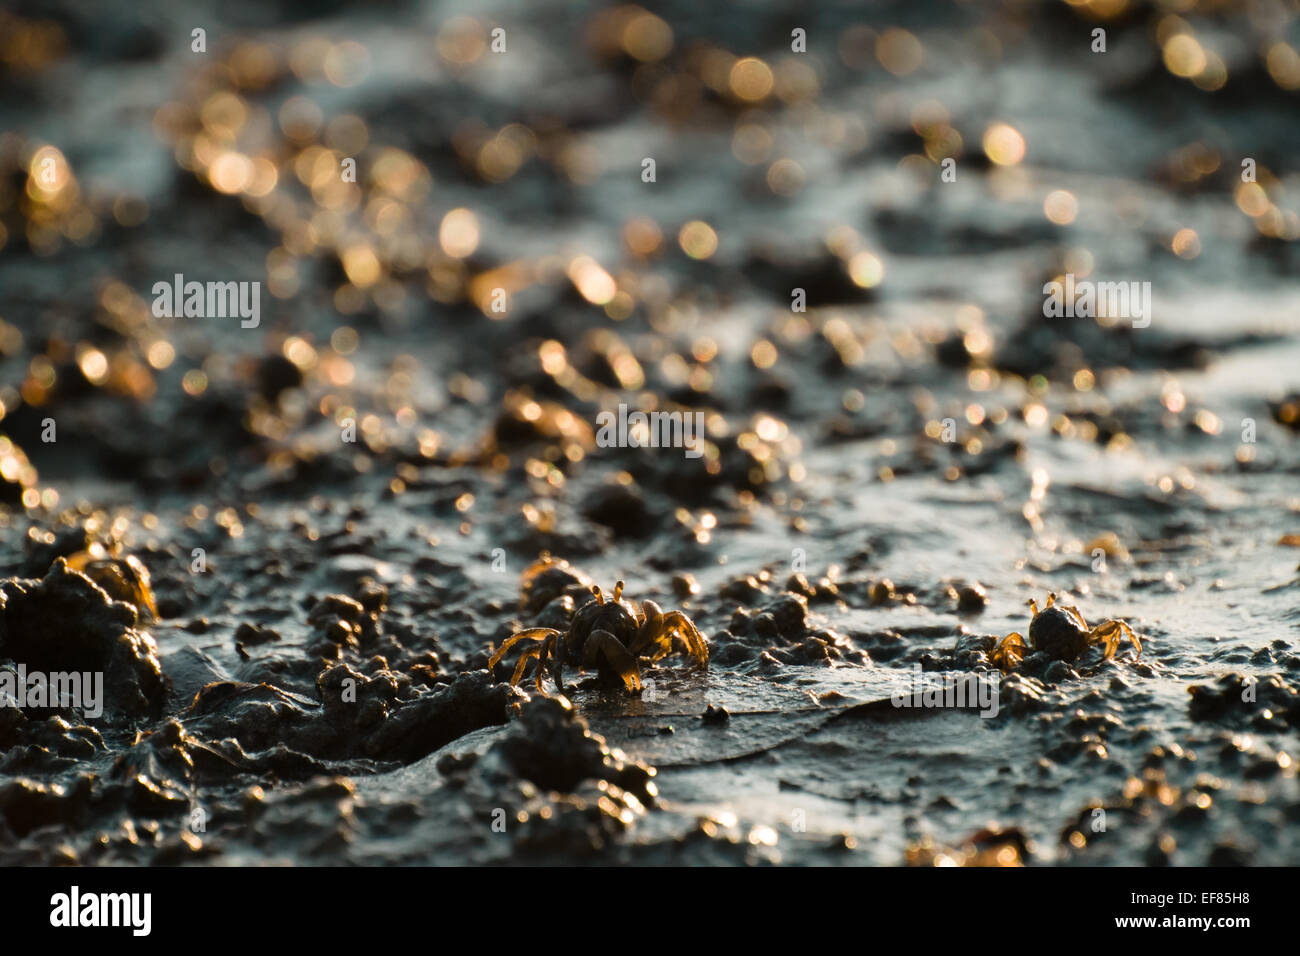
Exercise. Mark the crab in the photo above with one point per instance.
(612, 636)
(1060, 631)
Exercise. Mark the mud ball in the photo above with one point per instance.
(621, 508)
(715, 715)
(276, 374)
(882, 591)
(1287, 411)
(952, 352)
(557, 614)
(685, 586)
(972, 599)
(1059, 671)
(790, 614)
(547, 580)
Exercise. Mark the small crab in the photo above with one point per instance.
(1060, 631)
(612, 636)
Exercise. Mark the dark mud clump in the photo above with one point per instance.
(379, 718)
(572, 793)
(64, 622)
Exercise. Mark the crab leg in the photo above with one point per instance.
(531, 634)
(1009, 652)
(671, 641)
(1107, 634)
(603, 642)
(1137, 642)
(651, 629)
(677, 623)
(1111, 633)
(542, 660)
(523, 661)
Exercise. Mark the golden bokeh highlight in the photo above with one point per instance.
(899, 51)
(866, 270)
(643, 237)
(751, 79)
(1061, 207)
(1184, 56)
(1186, 244)
(1283, 65)
(458, 235)
(698, 240)
(1003, 144)
(592, 282)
